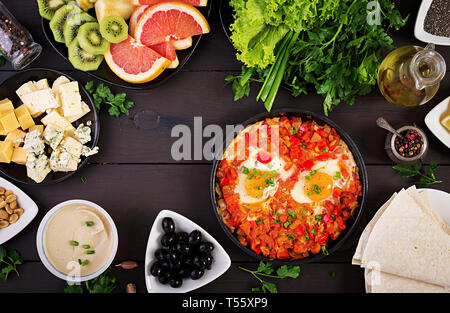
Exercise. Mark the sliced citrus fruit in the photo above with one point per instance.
(197, 3)
(134, 62)
(167, 50)
(137, 13)
(169, 21)
(182, 44)
(446, 122)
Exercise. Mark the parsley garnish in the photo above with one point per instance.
(8, 262)
(413, 170)
(266, 270)
(117, 102)
(104, 283)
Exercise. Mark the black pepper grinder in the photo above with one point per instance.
(16, 43)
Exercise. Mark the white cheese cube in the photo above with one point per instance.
(70, 99)
(61, 80)
(84, 108)
(34, 143)
(57, 120)
(37, 167)
(61, 161)
(25, 89)
(41, 84)
(39, 101)
(53, 135)
(72, 146)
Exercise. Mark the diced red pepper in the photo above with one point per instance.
(322, 157)
(224, 181)
(322, 239)
(263, 157)
(307, 165)
(299, 231)
(283, 254)
(340, 223)
(326, 218)
(294, 140)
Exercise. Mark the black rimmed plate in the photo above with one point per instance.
(8, 89)
(351, 223)
(105, 74)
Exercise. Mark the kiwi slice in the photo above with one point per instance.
(83, 60)
(59, 20)
(47, 8)
(72, 25)
(114, 28)
(91, 40)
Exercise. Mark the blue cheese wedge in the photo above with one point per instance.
(38, 166)
(72, 146)
(34, 143)
(62, 161)
(53, 135)
(69, 95)
(88, 151)
(83, 133)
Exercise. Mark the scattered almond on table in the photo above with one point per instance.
(10, 211)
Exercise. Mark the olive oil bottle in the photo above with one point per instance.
(410, 75)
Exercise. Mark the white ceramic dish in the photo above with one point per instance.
(30, 210)
(40, 242)
(221, 259)
(440, 202)
(433, 121)
(419, 31)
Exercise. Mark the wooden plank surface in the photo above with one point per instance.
(135, 176)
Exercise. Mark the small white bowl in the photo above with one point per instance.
(433, 121)
(30, 210)
(221, 259)
(419, 31)
(40, 242)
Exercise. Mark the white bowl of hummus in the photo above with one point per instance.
(77, 240)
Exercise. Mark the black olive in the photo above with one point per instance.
(195, 237)
(209, 260)
(205, 247)
(168, 240)
(176, 264)
(168, 225)
(175, 282)
(183, 248)
(197, 274)
(184, 272)
(200, 262)
(183, 237)
(160, 254)
(164, 278)
(157, 269)
(189, 262)
(172, 256)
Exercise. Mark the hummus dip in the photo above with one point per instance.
(78, 240)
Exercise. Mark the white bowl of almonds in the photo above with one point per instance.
(16, 212)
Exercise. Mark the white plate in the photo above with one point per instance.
(40, 242)
(30, 209)
(440, 202)
(433, 121)
(419, 31)
(221, 259)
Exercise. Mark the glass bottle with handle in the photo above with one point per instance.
(410, 75)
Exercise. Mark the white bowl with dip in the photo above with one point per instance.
(82, 222)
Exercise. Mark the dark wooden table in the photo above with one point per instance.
(134, 175)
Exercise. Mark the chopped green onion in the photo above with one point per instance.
(250, 176)
(309, 193)
(293, 130)
(313, 172)
(269, 166)
(325, 149)
(79, 261)
(313, 231)
(90, 252)
(274, 173)
(255, 171)
(292, 237)
(316, 189)
(74, 243)
(307, 177)
(337, 175)
(287, 224)
(324, 250)
(307, 237)
(277, 221)
(319, 217)
(275, 212)
(292, 214)
(86, 246)
(245, 170)
(264, 175)
(260, 187)
(303, 146)
(89, 223)
(259, 221)
(85, 262)
(333, 216)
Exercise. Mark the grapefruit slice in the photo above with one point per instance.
(182, 44)
(167, 50)
(134, 62)
(167, 21)
(137, 13)
(197, 3)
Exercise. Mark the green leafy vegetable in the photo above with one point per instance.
(326, 45)
(8, 262)
(104, 283)
(426, 179)
(266, 270)
(118, 104)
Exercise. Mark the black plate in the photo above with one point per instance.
(8, 90)
(351, 223)
(105, 74)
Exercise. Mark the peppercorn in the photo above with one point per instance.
(410, 145)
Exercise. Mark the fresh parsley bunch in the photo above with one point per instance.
(426, 179)
(104, 283)
(103, 95)
(8, 262)
(266, 270)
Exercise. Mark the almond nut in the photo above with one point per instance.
(18, 211)
(4, 224)
(11, 198)
(13, 205)
(8, 192)
(8, 209)
(2, 190)
(4, 215)
(13, 218)
(2, 204)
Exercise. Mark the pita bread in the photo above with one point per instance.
(380, 282)
(408, 242)
(356, 260)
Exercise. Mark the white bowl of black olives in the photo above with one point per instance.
(181, 256)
